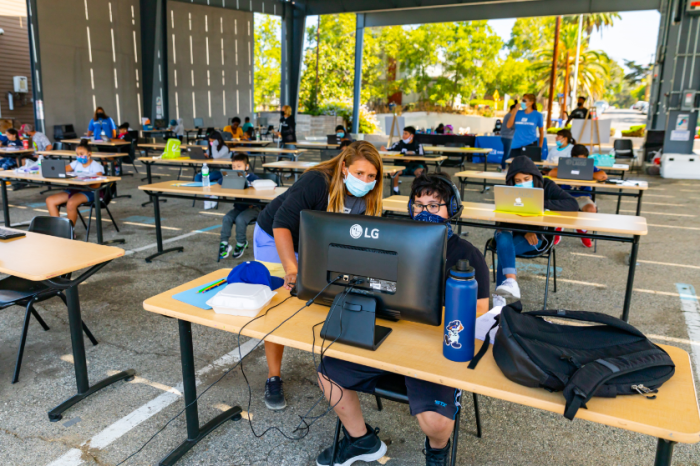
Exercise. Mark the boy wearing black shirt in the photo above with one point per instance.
(407, 146)
(434, 405)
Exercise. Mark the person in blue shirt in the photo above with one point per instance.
(102, 124)
(241, 215)
(247, 125)
(527, 123)
(10, 139)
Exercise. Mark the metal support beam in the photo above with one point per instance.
(293, 24)
(359, 43)
(268, 7)
(154, 65)
(35, 59)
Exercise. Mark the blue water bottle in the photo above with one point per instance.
(460, 313)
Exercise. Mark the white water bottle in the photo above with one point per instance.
(205, 176)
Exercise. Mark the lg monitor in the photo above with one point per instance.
(198, 123)
(401, 263)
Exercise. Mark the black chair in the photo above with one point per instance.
(548, 251)
(624, 149)
(104, 204)
(63, 132)
(392, 387)
(16, 291)
(57, 145)
(133, 138)
(327, 154)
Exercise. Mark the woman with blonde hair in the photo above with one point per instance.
(349, 183)
(288, 127)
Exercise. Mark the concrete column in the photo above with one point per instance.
(359, 43)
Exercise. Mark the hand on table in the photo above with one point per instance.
(290, 280)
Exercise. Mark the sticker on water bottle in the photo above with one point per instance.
(452, 331)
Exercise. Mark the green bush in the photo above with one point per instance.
(553, 130)
(482, 102)
(636, 131)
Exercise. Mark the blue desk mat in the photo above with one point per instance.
(198, 299)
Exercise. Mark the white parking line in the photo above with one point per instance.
(691, 311)
(73, 457)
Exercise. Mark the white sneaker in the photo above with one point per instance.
(509, 289)
(499, 301)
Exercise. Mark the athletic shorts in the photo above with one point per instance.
(411, 167)
(583, 201)
(89, 194)
(422, 396)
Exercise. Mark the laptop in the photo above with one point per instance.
(197, 153)
(575, 168)
(514, 200)
(234, 179)
(54, 169)
(534, 153)
(332, 139)
(160, 124)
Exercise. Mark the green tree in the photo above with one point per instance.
(529, 35)
(268, 61)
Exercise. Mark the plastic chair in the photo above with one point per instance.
(15, 291)
(624, 149)
(104, 204)
(548, 251)
(392, 387)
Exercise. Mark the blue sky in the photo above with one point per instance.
(632, 38)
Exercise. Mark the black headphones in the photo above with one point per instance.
(454, 205)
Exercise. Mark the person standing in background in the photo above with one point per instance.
(507, 133)
(288, 128)
(579, 113)
(102, 124)
(527, 122)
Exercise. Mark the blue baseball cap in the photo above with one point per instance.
(254, 273)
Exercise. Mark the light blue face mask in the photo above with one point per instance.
(357, 187)
(527, 184)
(340, 134)
(559, 143)
(82, 159)
(523, 105)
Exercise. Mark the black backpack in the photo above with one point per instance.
(606, 360)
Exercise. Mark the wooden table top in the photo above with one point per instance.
(621, 167)
(71, 181)
(161, 145)
(176, 187)
(185, 161)
(416, 158)
(599, 223)
(251, 143)
(40, 257)
(466, 150)
(289, 165)
(111, 142)
(268, 150)
(673, 415)
(316, 145)
(13, 151)
(61, 154)
(495, 176)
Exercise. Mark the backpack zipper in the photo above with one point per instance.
(642, 390)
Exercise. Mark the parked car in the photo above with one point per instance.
(601, 106)
(641, 106)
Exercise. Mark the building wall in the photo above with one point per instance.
(210, 63)
(14, 61)
(90, 56)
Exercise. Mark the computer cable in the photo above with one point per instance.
(240, 361)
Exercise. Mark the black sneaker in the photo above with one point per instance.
(224, 250)
(367, 448)
(238, 252)
(274, 394)
(436, 457)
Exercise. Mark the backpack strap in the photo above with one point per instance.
(584, 383)
(484, 346)
(584, 316)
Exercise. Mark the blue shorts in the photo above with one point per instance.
(422, 396)
(89, 194)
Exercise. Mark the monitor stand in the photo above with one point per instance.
(352, 321)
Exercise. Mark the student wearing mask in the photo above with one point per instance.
(11, 139)
(524, 174)
(247, 125)
(288, 127)
(241, 214)
(527, 123)
(349, 183)
(84, 165)
(234, 128)
(219, 150)
(178, 128)
(433, 405)
(37, 140)
(580, 112)
(507, 133)
(407, 146)
(102, 124)
(565, 142)
(342, 134)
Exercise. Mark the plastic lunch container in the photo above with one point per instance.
(241, 299)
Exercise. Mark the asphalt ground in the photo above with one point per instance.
(130, 337)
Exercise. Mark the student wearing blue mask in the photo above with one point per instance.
(342, 134)
(524, 174)
(349, 183)
(565, 142)
(101, 124)
(528, 122)
(434, 199)
(84, 165)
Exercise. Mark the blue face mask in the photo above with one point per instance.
(340, 134)
(82, 159)
(527, 184)
(357, 187)
(559, 143)
(426, 216)
(523, 105)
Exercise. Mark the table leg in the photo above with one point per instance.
(5, 203)
(195, 433)
(79, 361)
(664, 452)
(150, 180)
(630, 279)
(639, 202)
(619, 200)
(159, 234)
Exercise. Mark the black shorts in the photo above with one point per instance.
(411, 167)
(422, 396)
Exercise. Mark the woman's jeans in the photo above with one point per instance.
(506, 150)
(508, 246)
